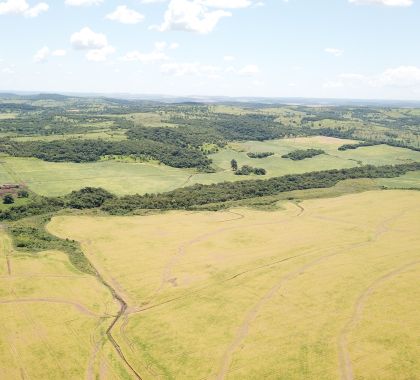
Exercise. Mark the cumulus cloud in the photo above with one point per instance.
(96, 44)
(157, 55)
(401, 76)
(22, 7)
(231, 4)
(42, 54)
(59, 53)
(191, 16)
(100, 55)
(249, 71)
(83, 3)
(335, 52)
(125, 15)
(387, 3)
(86, 38)
(190, 69)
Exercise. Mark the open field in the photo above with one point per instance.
(311, 290)
(53, 318)
(49, 178)
(108, 135)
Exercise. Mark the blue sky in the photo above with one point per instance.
(304, 48)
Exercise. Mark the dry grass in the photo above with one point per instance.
(246, 294)
(53, 319)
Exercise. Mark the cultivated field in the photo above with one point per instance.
(51, 179)
(53, 319)
(311, 290)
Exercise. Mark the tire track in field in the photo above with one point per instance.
(84, 310)
(167, 271)
(346, 367)
(9, 265)
(182, 251)
(243, 329)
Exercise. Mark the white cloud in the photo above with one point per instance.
(249, 71)
(59, 53)
(22, 7)
(83, 3)
(96, 44)
(191, 69)
(191, 16)
(174, 45)
(157, 55)
(230, 4)
(86, 38)
(42, 54)
(228, 58)
(401, 76)
(388, 3)
(100, 55)
(154, 56)
(335, 52)
(125, 15)
(8, 70)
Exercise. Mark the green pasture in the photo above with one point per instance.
(126, 177)
(52, 179)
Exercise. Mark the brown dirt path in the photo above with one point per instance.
(81, 308)
(243, 329)
(346, 367)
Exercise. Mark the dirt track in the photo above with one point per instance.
(243, 329)
(346, 368)
(78, 306)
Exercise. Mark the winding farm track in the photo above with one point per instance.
(252, 314)
(346, 367)
(81, 308)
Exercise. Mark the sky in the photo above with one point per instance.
(364, 49)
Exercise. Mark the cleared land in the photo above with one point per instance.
(309, 291)
(48, 178)
(53, 319)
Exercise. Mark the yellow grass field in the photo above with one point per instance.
(53, 319)
(324, 289)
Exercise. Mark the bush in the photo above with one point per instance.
(23, 194)
(8, 199)
(301, 154)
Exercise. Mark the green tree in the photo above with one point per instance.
(8, 199)
(23, 194)
(234, 165)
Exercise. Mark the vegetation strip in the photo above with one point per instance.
(30, 234)
(198, 195)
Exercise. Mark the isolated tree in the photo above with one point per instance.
(234, 165)
(8, 199)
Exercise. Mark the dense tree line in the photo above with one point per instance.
(260, 154)
(92, 150)
(196, 195)
(301, 154)
(357, 145)
(248, 170)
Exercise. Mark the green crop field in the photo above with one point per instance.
(48, 178)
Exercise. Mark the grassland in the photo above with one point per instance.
(311, 290)
(53, 319)
(47, 178)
